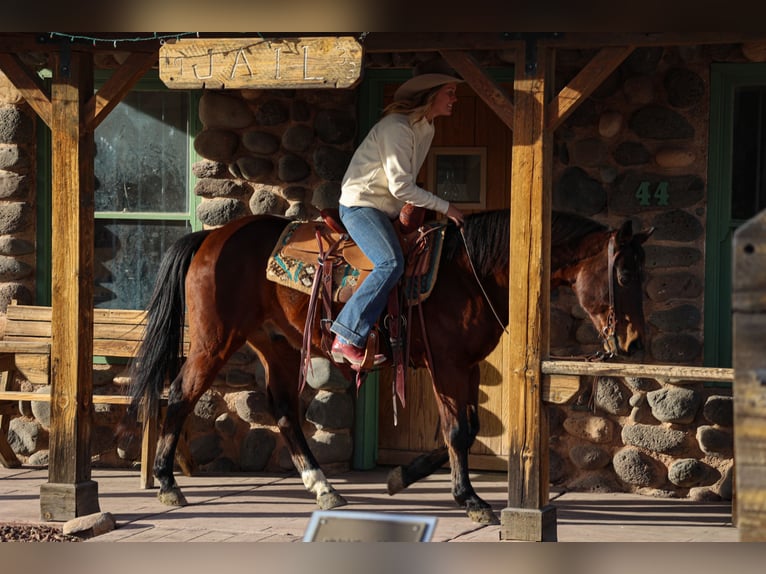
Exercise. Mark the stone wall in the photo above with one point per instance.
(638, 149)
(17, 197)
(285, 151)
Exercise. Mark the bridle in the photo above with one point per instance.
(607, 334)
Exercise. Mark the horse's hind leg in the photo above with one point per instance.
(402, 476)
(195, 378)
(460, 425)
(282, 366)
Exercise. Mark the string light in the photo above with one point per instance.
(161, 37)
(114, 41)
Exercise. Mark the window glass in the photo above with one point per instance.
(127, 257)
(748, 191)
(141, 162)
(144, 194)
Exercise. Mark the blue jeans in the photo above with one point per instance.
(374, 233)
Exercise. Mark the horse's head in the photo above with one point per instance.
(620, 321)
(610, 290)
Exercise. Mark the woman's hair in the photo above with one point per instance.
(418, 105)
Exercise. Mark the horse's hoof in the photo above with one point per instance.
(482, 516)
(172, 497)
(330, 500)
(396, 481)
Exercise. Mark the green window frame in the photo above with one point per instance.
(147, 222)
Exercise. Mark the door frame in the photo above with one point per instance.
(724, 80)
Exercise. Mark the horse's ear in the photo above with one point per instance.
(643, 236)
(625, 233)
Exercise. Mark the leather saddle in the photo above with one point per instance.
(304, 245)
(320, 259)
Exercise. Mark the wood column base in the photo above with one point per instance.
(529, 524)
(60, 502)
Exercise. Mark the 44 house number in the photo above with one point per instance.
(657, 195)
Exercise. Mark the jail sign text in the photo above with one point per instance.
(236, 63)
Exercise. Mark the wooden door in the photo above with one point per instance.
(472, 124)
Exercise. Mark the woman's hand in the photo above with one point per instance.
(455, 215)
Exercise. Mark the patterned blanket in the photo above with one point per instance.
(294, 261)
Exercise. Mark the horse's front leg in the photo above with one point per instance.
(282, 374)
(460, 425)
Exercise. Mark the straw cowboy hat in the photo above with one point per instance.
(423, 83)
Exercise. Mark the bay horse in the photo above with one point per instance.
(219, 277)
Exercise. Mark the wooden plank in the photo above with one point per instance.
(749, 390)
(263, 63)
(584, 84)
(484, 86)
(528, 516)
(117, 87)
(72, 231)
(560, 389)
(8, 458)
(46, 398)
(28, 84)
(34, 367)
(663, 373)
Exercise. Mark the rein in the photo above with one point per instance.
(478, 281)
(607, 334)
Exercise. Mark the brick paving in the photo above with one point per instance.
(277, 508)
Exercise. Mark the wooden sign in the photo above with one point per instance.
(234, 63)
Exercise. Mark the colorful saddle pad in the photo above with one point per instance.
(295, 258)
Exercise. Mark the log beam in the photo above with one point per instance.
(117, 87)
(584, 84)
(484, 86)
(528, 515)
(28, 84)
(70, 492)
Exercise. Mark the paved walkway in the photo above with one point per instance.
(277, 508)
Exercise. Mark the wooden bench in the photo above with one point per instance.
(25, 350)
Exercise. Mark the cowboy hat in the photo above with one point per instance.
(422, 83)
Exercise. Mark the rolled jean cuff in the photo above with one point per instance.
(348, 334)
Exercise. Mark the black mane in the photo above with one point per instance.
(487, 235)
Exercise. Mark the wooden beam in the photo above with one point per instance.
(584, 84)
(749, 391)
(117, 87)
(29, 84)
(70, 492)
(663, 373)
(484, 86)
(528, 516)
(438, 41)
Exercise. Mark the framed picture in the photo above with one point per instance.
(459, 175)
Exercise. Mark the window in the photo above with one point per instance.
(144, 190)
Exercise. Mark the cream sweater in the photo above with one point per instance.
(383, 169)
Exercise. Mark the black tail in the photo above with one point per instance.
(159, 356)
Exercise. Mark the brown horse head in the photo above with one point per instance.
(608, 284)
(605, 269)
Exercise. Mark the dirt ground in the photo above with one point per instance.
(16, 532)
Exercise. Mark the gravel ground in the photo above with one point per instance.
(16, 532)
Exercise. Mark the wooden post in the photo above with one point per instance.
(749, 358)
(528, 516)
(70, 492)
